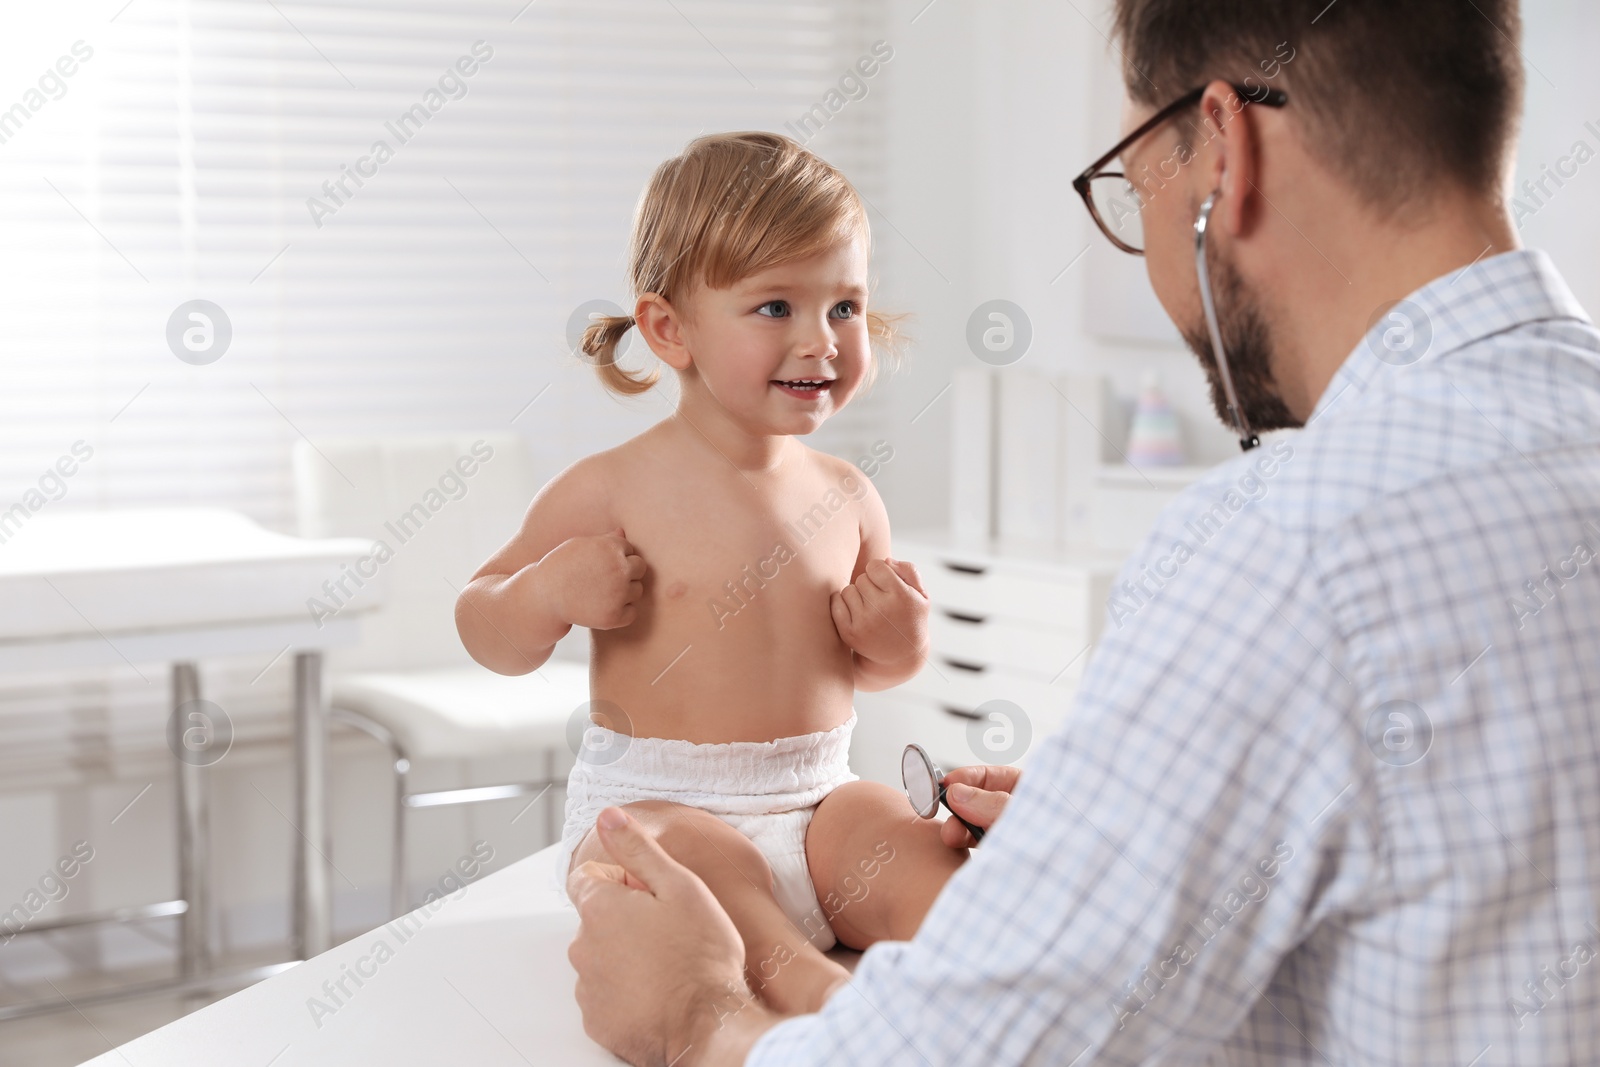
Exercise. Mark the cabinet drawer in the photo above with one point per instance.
(963, 692)
(945, 670)
(886, 726)
(988, 640)
(890, 721)
(1060, 599)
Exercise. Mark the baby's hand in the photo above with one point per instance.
(883, 617)
(593, 581)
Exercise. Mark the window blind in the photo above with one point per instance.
(226, 151)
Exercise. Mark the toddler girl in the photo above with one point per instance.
(737, 585)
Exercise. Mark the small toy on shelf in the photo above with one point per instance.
(1155, 439)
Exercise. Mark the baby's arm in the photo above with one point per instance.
(561, 568)
(883, 614)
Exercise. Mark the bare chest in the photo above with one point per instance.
(767, 562)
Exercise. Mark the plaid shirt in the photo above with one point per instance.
(1330, 792)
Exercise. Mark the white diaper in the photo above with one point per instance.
(767, 790)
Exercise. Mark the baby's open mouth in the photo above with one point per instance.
(804, 387)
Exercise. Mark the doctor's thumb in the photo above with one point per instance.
(633, 849)
(981, 807)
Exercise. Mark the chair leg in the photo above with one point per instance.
(397, 875)
(402, 767)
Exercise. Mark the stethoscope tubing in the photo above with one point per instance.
(975, 831)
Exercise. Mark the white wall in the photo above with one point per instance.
(994, 107)
(1563, 103)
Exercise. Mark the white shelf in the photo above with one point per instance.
(1127, 476)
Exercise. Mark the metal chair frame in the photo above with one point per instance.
(405, 801)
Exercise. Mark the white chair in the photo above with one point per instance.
(440, 506)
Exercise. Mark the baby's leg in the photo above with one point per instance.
(783, 966)
(877, 866)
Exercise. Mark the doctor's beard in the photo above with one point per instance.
(1249, 344)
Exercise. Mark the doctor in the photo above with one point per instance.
(1329, 790)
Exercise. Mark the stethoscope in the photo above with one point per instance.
(1247, 438)
(924, 783)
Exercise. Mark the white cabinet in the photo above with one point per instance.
(1012, 628)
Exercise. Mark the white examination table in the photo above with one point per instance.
(482, 980)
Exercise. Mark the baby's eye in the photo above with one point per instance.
(774, 309)
(846, 309)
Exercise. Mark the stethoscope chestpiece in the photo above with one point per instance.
(924, 783)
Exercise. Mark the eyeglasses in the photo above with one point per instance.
(1113, 200)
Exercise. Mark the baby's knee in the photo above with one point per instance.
(702, 842)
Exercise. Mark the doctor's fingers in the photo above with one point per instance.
(981, 807)
(985, 776)
(586, 877)
(650, 867)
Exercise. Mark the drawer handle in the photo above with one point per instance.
(961, 616)
(963, 665)
(961, 713)
(966, 568)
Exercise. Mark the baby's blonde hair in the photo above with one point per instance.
(731, 205)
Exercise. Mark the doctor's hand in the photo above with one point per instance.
(978, 794)
(660, 965)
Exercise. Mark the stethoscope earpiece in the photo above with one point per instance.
(1202, 222)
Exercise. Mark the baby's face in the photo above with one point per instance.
(758, 345)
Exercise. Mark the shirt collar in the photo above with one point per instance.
(1487, 298)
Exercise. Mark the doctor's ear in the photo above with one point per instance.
(1232, 147)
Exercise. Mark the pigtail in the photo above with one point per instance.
(883, 330)
(888, 343)
(599, 346)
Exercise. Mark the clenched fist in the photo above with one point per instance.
(883, 616)
(592, 581)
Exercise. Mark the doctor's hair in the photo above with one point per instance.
(729, 206)
(1391, 95)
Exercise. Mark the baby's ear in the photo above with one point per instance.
(661, 325)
